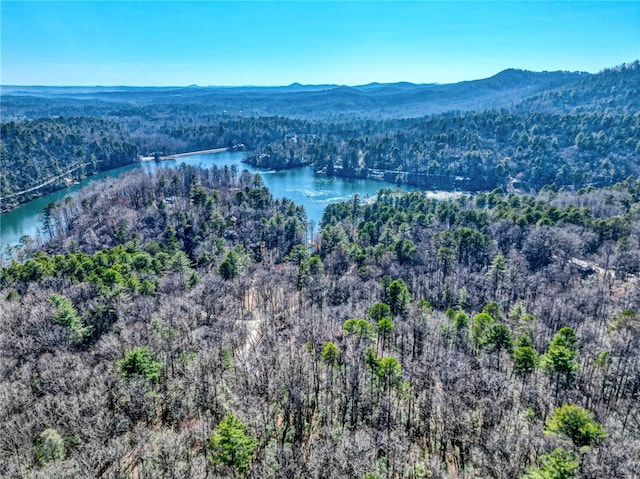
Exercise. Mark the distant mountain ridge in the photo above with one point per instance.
(510, 73)
(575, 128)
(512, 88)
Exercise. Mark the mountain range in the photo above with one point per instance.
(538, 91)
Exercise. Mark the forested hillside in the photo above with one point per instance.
(45, 154)
(184, 324)
(613, 89)
(517, 130)
(473, 151)
(583, 133)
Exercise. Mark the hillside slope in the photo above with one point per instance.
(177, 325)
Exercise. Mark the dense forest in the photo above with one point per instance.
(476, 151)
(517, 130)
(185, 323)
(586, 133)
(46, 154)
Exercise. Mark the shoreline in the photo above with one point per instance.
(188, 153)
(6, 206)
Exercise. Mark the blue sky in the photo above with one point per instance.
(277, 43)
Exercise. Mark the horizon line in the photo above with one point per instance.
(295, 83)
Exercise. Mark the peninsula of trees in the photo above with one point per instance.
(186, 323)
(180, 324)
(517, 130)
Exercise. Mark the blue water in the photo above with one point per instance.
(301, 185)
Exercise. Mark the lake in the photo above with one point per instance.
(301, 185)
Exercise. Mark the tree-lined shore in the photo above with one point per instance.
(184, 322)
(560, 130)
(179, 324)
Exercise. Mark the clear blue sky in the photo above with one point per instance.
(277, 43)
